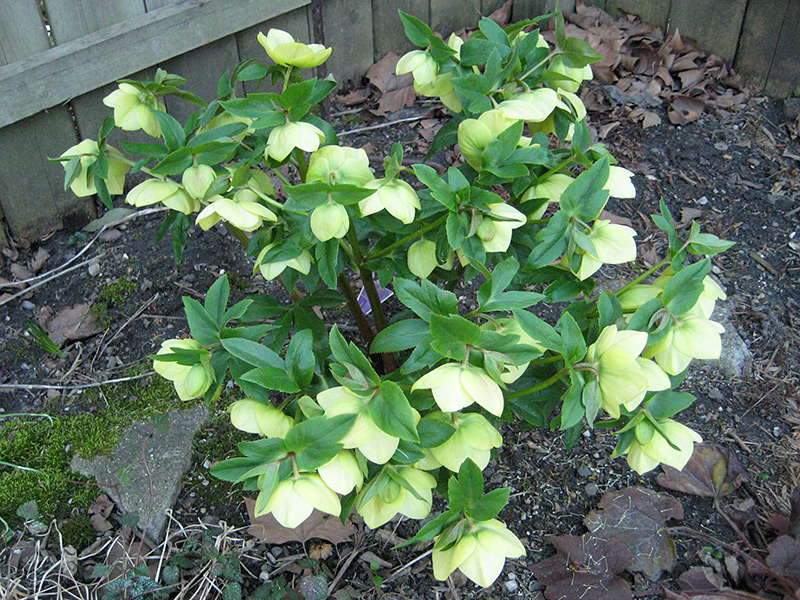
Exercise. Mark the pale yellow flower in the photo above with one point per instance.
(288, 52)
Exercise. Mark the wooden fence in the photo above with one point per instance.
(59, 58)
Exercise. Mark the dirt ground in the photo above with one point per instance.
(734, 170)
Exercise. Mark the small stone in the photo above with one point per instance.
(28, 305)
(511, 586)
(702, 200)
(584, 471)
(145, 285)
(591, 489)
(110, 235)
(721, 146)
(94, 269)
(277, 551)
(715, 394)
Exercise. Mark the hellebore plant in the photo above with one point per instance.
(418, 400)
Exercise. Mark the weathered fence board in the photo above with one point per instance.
(451, 15)
(528, 9)
(761, 30)
(387, 28)
(71, 19)
(784, 73)
(87, 63)
(704, 20)
(347, 27)
(655, 12)
(32, 194)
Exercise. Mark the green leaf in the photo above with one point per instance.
(667, 404)
(684, 288)
(572, 411)
(493, 31)
(708, 244)
(316, 441)
(349, 354)
(224, 131)
(571, 337)
(552, 241)
(466, 488)
(405, 334)
(609, 309)
(174, 137)
(217, 299)
(392, 412)
(577, 53)
(588, 184)
(416, 31)
(440, 191)
(489, 505)
(267, 482)
(457, 229)
(300, 361)
(407, 453)
(592, 400)
(544, 334)
(272, 378)
(434, 432)
(426, 298)
(432, 528)
(233, 469)
(640, 320)
(255, 106)
(326, 255)
(253, 353)
(202, 326)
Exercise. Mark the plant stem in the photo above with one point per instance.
(294, 292)
(644, 275)
(403, 241)
(238, 234)
(555, 169)
(366, 280)
(540, 386)
(352, 304)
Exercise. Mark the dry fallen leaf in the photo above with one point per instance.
(711, 472)
(318, 525)
(39, 259)
(73, 323)
(395, 100)
(383, 77)
(685, 110)
(585, 567)
(351, 99)
(635, 517)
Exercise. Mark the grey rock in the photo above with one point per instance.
(735, 359)
(94, 269)
(28, 305)
(584, 471)
(591, 489)
(791, 108)
(153, 457)
(511, 586)
(111, 235)
(721, 146)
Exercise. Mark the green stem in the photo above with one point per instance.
(302, 164)
(286, 78)
(539, 64)
(644, 275)
(294, 292)
(238, 234)
(555, 169)
(403, 241)
(540, 386)
(546, 360)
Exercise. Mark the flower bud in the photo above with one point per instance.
(329, 220)
(198, 380)
(88, 150)
(197, 179)
(133, 109)
(293, 500)
(189, 380)
(455, 386)
(475, 134)
(342, 473)
(166, 191)
(286, 51)
(300, 263)
(393, 499)
(422, 258)
(285, 138)
(420, 64)
(339, 164)
(496, 234)
(264, 419)
(644, 456)
(479, 553)
(395, 195)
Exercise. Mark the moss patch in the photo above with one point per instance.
(43, 449)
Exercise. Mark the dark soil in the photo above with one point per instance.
(729, 165)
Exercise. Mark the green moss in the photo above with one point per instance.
(44, 449)
(77, 531)
(113, 295)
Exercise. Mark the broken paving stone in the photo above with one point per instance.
(144, 473)
(735, 359)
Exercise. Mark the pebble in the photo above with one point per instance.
(584, 471)
(277, 551)
(702, 200)
(94, 269)
(721, 146)
(28, 305)
(111, 235)
(591, 489)
(511, 586)
(145, 285)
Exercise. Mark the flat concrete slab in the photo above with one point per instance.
(145, 471)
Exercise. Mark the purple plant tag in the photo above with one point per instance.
(383, 294)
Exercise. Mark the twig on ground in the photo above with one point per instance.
(407, 565)
(83, 386)
(132, 318)
(55, 276)
(380, 125)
